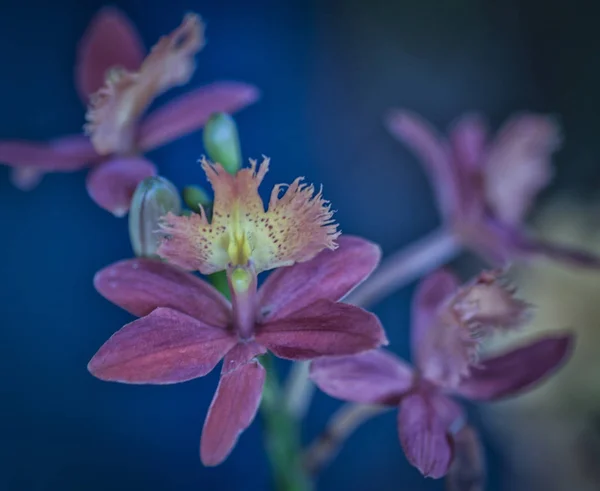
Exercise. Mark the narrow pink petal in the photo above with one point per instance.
(431, 295)
(373, 377)
(141, 285)
(26, 178)
(519, 166)
(531, 247)
(242, 353)
(112, 184)
(468, 137)
(63, 154)
(110, 40)
(467, 472)
(324, 328)
(164, 347)
(518, 370)
(191, 111)
(424, 424)
(232, 410)
(434, 152)
(330, 275)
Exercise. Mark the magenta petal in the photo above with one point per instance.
(110, 40)
(527, 246)
(190, 111)
(467, 472)
(242, 353)
(431, 294)
(112, 184)
(233, 408)
(373, 377)
(141, 285)
(61, 155)
(513, 372)
(324, 328)
(164, 347)
(434, 153)
(330, 275)
(424, 423)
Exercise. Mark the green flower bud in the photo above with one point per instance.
(222, 143)
(154, 197)
(193, 196)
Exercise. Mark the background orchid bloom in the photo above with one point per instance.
(448, 323)
(111, 62)
(485, 187)
(187, 327)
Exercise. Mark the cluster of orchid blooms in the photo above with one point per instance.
(302, 312)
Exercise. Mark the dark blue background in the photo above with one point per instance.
(328, 72)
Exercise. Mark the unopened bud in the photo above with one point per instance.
(222, 142)
(154, 197)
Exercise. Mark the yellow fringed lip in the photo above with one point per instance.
(296, 226)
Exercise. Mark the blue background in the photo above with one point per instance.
(328, 72)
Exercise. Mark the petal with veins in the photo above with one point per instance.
(164, 347)
(232, 410)
(324, 328)
(515, 371)
(141, 285)
(329, 275)
(424, 422)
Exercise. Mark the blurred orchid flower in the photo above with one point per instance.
(448, 324)
(486, 188)
(113, 73)
(187, 326)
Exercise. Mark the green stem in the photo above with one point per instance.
(282, 435)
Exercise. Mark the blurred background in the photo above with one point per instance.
(328, 71)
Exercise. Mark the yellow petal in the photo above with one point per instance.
(296, 227)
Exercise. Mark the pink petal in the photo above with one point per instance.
(110, 40)
(232, 410)
(141, 285)
(26, 178)
(373, 377)
(467, 472)
(63, 154)
(434, 153)
(164, 347)
(518, 370)
(112, 184)
(424, 423)
(519, 166)
(330, 275)
(190, 111)
(324, 328)
(431, 295)
(528, 246)
(468, 137)
(242, 353)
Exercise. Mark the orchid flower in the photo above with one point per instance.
(448, 324)
(186, 326)
(112, 73)
(486, 188)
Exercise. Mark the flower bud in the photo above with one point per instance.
(222, 143)
(194, 197)
(154, 197)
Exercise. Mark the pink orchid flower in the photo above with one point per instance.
(113, 73)
(448, 324)
(187, 326)
(485, 188)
